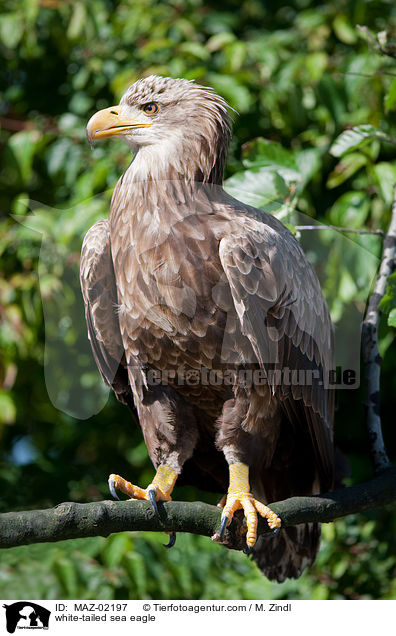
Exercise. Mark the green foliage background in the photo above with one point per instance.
(315, 135)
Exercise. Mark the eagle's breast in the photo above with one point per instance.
(174, 302)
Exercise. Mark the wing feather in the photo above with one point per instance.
(100, 297)
(282, 311)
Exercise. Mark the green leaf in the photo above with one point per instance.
(388, 301)
(385, 174)
(316, 64)
(78, 21)
(291, 228)
(339, 569)
(57, 155)
(236, 94)
(117, 546)
(121, 81)
(135, 566)
(66, 573)
(347, 288)
(261, 152)
(195, 49)
(11, 29)
(392, 318)
(260, 187)
(219, 40)
(308, 163)
(20, 204)
(384, 342)
(356, 137)
(80, 103)
(390, 99)
(7, 408)
(343, 29)
(235, 54)
(23, 146)
(350, 210)
(297, 168)
(347, 167)
(320, 592)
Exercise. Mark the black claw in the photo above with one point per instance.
(270, 535)
(113, 490)
(153, 501)
(247, 550)
(172, 540)
(223, 526)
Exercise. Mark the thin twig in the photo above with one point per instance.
(371, 356)
(369, 75)
(374, 41)
(339, 229)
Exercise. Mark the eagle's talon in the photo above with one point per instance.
(153, 500)
(273, 533)
(159, 490)
(172, 540)
(247, 550)
(112, 488)
(223, 525)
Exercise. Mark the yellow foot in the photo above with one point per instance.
(159, 490)
(240, 497)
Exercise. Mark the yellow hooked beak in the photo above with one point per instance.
(109, 123)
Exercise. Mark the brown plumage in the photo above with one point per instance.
(185, 279)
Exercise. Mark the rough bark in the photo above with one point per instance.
(371, 356)
(73, 520)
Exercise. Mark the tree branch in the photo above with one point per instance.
(339, 229)
(371, 356)
(73, 520)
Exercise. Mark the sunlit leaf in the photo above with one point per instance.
(260, 187)
(392, 318)
(219, 40)
(344, 30)
(11, 28)
(78, 20)
(7, 408)
(354, 138)
(23, 145)
(385, 174)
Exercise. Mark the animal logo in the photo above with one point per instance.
(26, 615)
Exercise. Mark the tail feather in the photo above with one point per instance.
(294, 472)
(288, 553)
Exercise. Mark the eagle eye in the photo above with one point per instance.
(151, 108)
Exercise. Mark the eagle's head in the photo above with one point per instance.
(170, 119)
